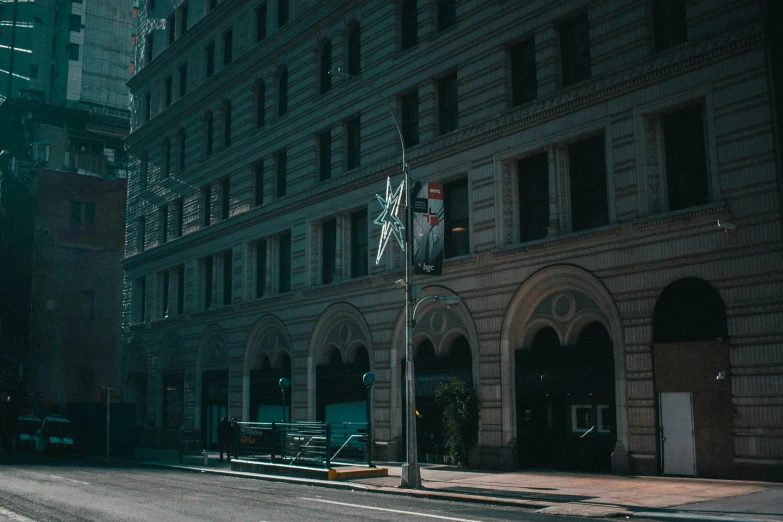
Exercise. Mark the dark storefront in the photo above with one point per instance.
(266, 398)
(214, 404)
(340, 393)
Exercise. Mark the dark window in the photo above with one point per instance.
(141, 299)
(184, 18)
(359, 244)
(353, 144)
(533, 186)
(76, 211)
(173, 400)
(73, 52)
(260, 268)
(164, 223)
(75, 23)
(575, 50)
(145, 166)
(170, 27)
(228, 273)
(325, 155)
(181, 151)
(147, 107)
(225, 204)
(282, 12)
(212, 4)
(142, 232)
(183, 79)
(180, 216)
(228, 47)
(168, 91)
(282, 173)
(166, 158)
(523, 72)
(447, 14)
(328, 250)
(89, 213)
(181, 289)
(448, 111)
(149, 47)
(260, 104)
(33, 71)
(207, 282)
(355, 51)
(325, 67)
(284, 262)
(210, 51)
(227, 124)
(409, 13)
(165, 312)
(686, 159)
(209, 129)
(150, 5)
(259, 171)
(589, 207)
(206, 199)
(260, 22)
(669, 23)
(457, 225)
(282, 95)
(410, 118)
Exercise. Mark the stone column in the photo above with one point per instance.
(553, 228)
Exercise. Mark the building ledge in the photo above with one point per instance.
(698, 214)
(608, 231)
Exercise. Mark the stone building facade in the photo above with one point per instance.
(612, 194)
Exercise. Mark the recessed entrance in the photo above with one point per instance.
(340, 393)
(214, 404)
(266, 398)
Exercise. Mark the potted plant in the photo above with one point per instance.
(460, 408)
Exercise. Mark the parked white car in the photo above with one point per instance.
(55, 435)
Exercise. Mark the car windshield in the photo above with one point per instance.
(29, 425)
(58, 429)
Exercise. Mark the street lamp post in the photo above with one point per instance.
(369, 379)
(108, 415)
(284, 383)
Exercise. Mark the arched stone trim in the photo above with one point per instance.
(335, 316)
(537, 324)
(578, 323)
(352, 349)
(418, 338)
(173, 353)
(267, 324)
(212, 336)
(517, 323)
(136, 358)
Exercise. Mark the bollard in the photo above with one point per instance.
(206, 457)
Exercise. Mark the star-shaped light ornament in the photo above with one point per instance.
(390, 208)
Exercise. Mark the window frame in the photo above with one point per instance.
(448, 240)
(285, 264)
(519, 65)
(360, 250)
(410, 121)
(325, 155)
(572, 71)
(281, 174)
(353, 142)
(448, 103)
(409, 25)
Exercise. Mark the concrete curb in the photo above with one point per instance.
(683, 516)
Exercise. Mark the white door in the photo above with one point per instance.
(677, 433)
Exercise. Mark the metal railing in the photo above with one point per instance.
(309, 444)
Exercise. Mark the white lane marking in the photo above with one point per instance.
(388, 510)
(14, 516)
(61, 478)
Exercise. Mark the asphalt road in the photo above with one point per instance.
(73, 489)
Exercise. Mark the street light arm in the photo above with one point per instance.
(425, 298)
(345, 75)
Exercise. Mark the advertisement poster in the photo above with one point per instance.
(427, 228)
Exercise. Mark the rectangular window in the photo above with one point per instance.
(166, 158)
(228, 276)
(33, 71)
(359, 244)
(447, 14)
(410, 118)
(206, 199)
(150, 5)
(533, 187)
(165, 312)
(260, 22)
(140, 298)
(212, 4)
(133, 40)
(89, 213)
(581, 418)
(210, 52)
(75, 23)
(353, 143)
(173, 399)
(210, 132)
(132, 68)
(325, 155)
(207, 265)
(184, 19)
(147, 107)
(182, 151)
(523, 72)
(73, 52)
(164, 223)
(181, 289)
(409, 14)
(328, 250)
(448, 110)
(284, 262)
(183, 79)
(149, 46)
(225, 203)
(669, 23)
(282, 12)
(587, 164)
(141, 231)
(575, 50)
(170, 28)
(228, 47)
(686, 158)
(282, 173)
(260, 268)
(145, 168)
(76, 211)
(169, 83)
(259, 175)
(456, 217)
(180, 216)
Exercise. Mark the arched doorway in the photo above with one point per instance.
(137, 386)
(565, 400)
(214, 393)
(692, 380)
(340, 393)
(173, 393)
(266, 398)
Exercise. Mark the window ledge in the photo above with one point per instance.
(559, 240)
(699, 214)
(137, 327)
(168, 321)
(465, 259)
(341, 284)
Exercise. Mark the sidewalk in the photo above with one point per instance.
(561, 493)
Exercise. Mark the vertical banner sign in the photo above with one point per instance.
(427, 248)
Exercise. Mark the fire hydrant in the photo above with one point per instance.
(206, 457)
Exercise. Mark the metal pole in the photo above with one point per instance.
(369, 427)
(108, 415)
(283, 404)
(11, 57)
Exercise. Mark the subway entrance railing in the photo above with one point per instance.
(309, 444)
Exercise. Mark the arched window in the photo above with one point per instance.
(460, 354)
(425, 350)
(594, 340)
(181, 150)
(545, 340)
(355, 51)
(325, 67)
(335, 359)
(689, 310)
(362, 359)
(285, 364)
(208, 128)
(264, 364)
(282, 93)
(226, 123)
(409, 24)
(260, 100)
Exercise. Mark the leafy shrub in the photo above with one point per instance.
(460, 408)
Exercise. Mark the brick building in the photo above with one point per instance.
(588, 151)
